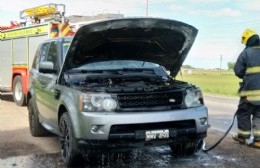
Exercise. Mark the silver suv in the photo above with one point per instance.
(112, 86)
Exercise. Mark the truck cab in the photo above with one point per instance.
(19, 42)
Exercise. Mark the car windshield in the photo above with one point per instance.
(118, 64)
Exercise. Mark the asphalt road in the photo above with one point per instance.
(221, 112)
(19, 149)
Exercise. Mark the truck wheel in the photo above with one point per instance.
(18, 95)
(69, 151)
(186, 148)
(36, 129)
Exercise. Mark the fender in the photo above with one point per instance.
(23, 72)
(67, 102)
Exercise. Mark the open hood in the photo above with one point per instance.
(161, 41)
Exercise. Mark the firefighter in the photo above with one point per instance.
(247, 68)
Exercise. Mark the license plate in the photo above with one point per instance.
(156, 134)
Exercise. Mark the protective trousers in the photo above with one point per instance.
(244, 113)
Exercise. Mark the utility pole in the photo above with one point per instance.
(220, 66)
(147, 3)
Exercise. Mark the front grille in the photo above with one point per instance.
(131, 128)
(150, 99)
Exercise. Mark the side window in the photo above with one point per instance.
(52, 56)
(36, 59)
(40, 55)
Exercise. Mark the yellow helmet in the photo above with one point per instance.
(247, 34)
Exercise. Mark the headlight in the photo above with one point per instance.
(97, 102)
(109, 104)
(193, 98)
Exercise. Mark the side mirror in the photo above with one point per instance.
(46, 67)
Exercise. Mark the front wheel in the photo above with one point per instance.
(69, 150)
(18, 95)
(186, 147)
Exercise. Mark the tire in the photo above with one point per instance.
(36, 129)
(69, 151)
(18, 95)
(186, 147)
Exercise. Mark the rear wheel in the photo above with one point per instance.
(18, 95)
(69, 151)
(36, 128)
(186, 147)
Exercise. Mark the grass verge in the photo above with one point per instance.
(223, 83)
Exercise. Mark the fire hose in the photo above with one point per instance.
(221, 139)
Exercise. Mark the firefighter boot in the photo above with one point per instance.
(255, 144)
(238, 139)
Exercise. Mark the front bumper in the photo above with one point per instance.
(127, 128)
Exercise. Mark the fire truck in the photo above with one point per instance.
(19, 42)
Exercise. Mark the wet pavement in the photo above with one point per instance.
(227, 154)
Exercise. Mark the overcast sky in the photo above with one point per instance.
(220, 22)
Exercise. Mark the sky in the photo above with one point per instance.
(220, 22)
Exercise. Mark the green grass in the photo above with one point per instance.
(213, 82)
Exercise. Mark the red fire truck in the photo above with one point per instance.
(19, 42)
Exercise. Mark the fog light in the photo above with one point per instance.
(203, 121)
(94, 129)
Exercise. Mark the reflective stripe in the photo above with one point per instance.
(24, 31)
(251, 95)
(54, 30)
(54, 34)
(244, 93)
(244, 133)
(253, 98)
(252, 70)
(256, 133)
(66, 30)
